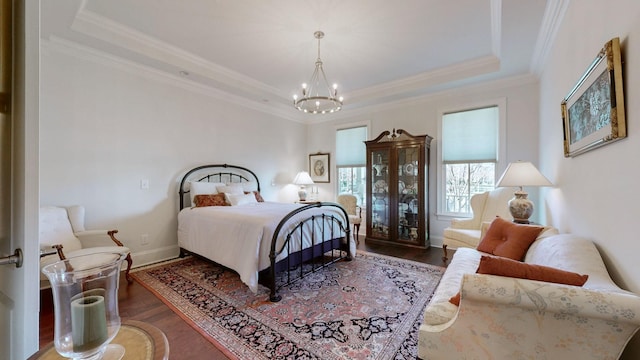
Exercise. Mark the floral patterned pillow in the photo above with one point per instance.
(210, 200)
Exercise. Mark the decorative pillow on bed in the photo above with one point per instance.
(210, 200)
(249, 186)
(257, 194)
(235, 189)
(202, 187)
(240, 199)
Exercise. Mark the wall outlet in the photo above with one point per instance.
(144, 239)
(144, 184)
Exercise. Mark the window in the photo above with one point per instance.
(351, 161)
(469, 148)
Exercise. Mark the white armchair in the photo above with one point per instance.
(350, 204)
(485, 207)
(62, 232)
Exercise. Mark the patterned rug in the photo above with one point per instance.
(369, 308)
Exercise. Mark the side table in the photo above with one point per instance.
(141, 341)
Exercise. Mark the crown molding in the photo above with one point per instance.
(459, 71)
(109, 60)
(494, 85)
(278, 110)
(100, 27)
(553, 15)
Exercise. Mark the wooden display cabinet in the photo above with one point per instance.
(397, 189)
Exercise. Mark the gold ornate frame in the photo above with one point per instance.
(593, 111)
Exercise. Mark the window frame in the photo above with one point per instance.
(500, 164)
(365, 124)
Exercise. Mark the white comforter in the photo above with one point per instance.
(239, 237)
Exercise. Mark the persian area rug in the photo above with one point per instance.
(368, 308)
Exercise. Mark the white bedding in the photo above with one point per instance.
(239, 237)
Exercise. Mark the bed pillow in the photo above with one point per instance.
(248, 186)
(203, 200)
(235, 189)
(240, 199)
(202, 187)
(257, 195)
(500, 266)
(507, 239)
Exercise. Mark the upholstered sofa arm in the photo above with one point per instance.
(467, 224)
(508, 318)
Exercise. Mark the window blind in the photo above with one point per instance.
(350, 148)
(470, 136)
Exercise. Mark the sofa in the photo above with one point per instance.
(501, 317)
(485, 207)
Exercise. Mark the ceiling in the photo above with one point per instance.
(258, 52)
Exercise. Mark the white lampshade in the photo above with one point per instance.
(522, 173)
(303, 178)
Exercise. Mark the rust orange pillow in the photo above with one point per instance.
(492, 265)
(507, 267)
(210, 200)
(507, 239)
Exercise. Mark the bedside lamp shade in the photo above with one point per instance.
(519, 174)
(302, 179)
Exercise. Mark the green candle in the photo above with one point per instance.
(88, 323)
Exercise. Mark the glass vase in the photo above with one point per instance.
(85, 300)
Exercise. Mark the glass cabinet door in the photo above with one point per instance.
(409, 193)
(380, 217)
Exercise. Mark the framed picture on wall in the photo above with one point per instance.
(593, 111)
(319, 167)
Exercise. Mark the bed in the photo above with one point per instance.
(265, 242)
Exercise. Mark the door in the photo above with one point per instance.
(19, 288)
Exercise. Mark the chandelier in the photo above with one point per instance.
(317, 96)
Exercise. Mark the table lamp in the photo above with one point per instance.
(302, 179)
(519, 174)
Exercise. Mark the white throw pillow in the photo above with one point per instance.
(235, 189)
(240, 199)
(202, 188)
(249, 186)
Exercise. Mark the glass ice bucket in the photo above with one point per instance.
(85, 300)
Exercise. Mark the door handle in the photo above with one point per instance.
(16, 258)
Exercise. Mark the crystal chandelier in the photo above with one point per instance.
(317, 96)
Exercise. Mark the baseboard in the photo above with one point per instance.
(143, 258)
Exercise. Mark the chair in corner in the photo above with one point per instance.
(485, 206)
(62, 232)
(350, 204)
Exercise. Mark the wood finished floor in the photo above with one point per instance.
(137, 303)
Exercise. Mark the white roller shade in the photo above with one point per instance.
(470, 135)
(350, 148)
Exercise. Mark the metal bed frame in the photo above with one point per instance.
(315, 256)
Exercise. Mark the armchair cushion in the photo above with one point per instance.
(65, 227)
(55, 228)
(485, 207)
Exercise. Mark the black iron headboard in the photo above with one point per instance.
(215, 173)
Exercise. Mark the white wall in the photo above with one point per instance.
(420, 116)
(596, 193)
(106, 125)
